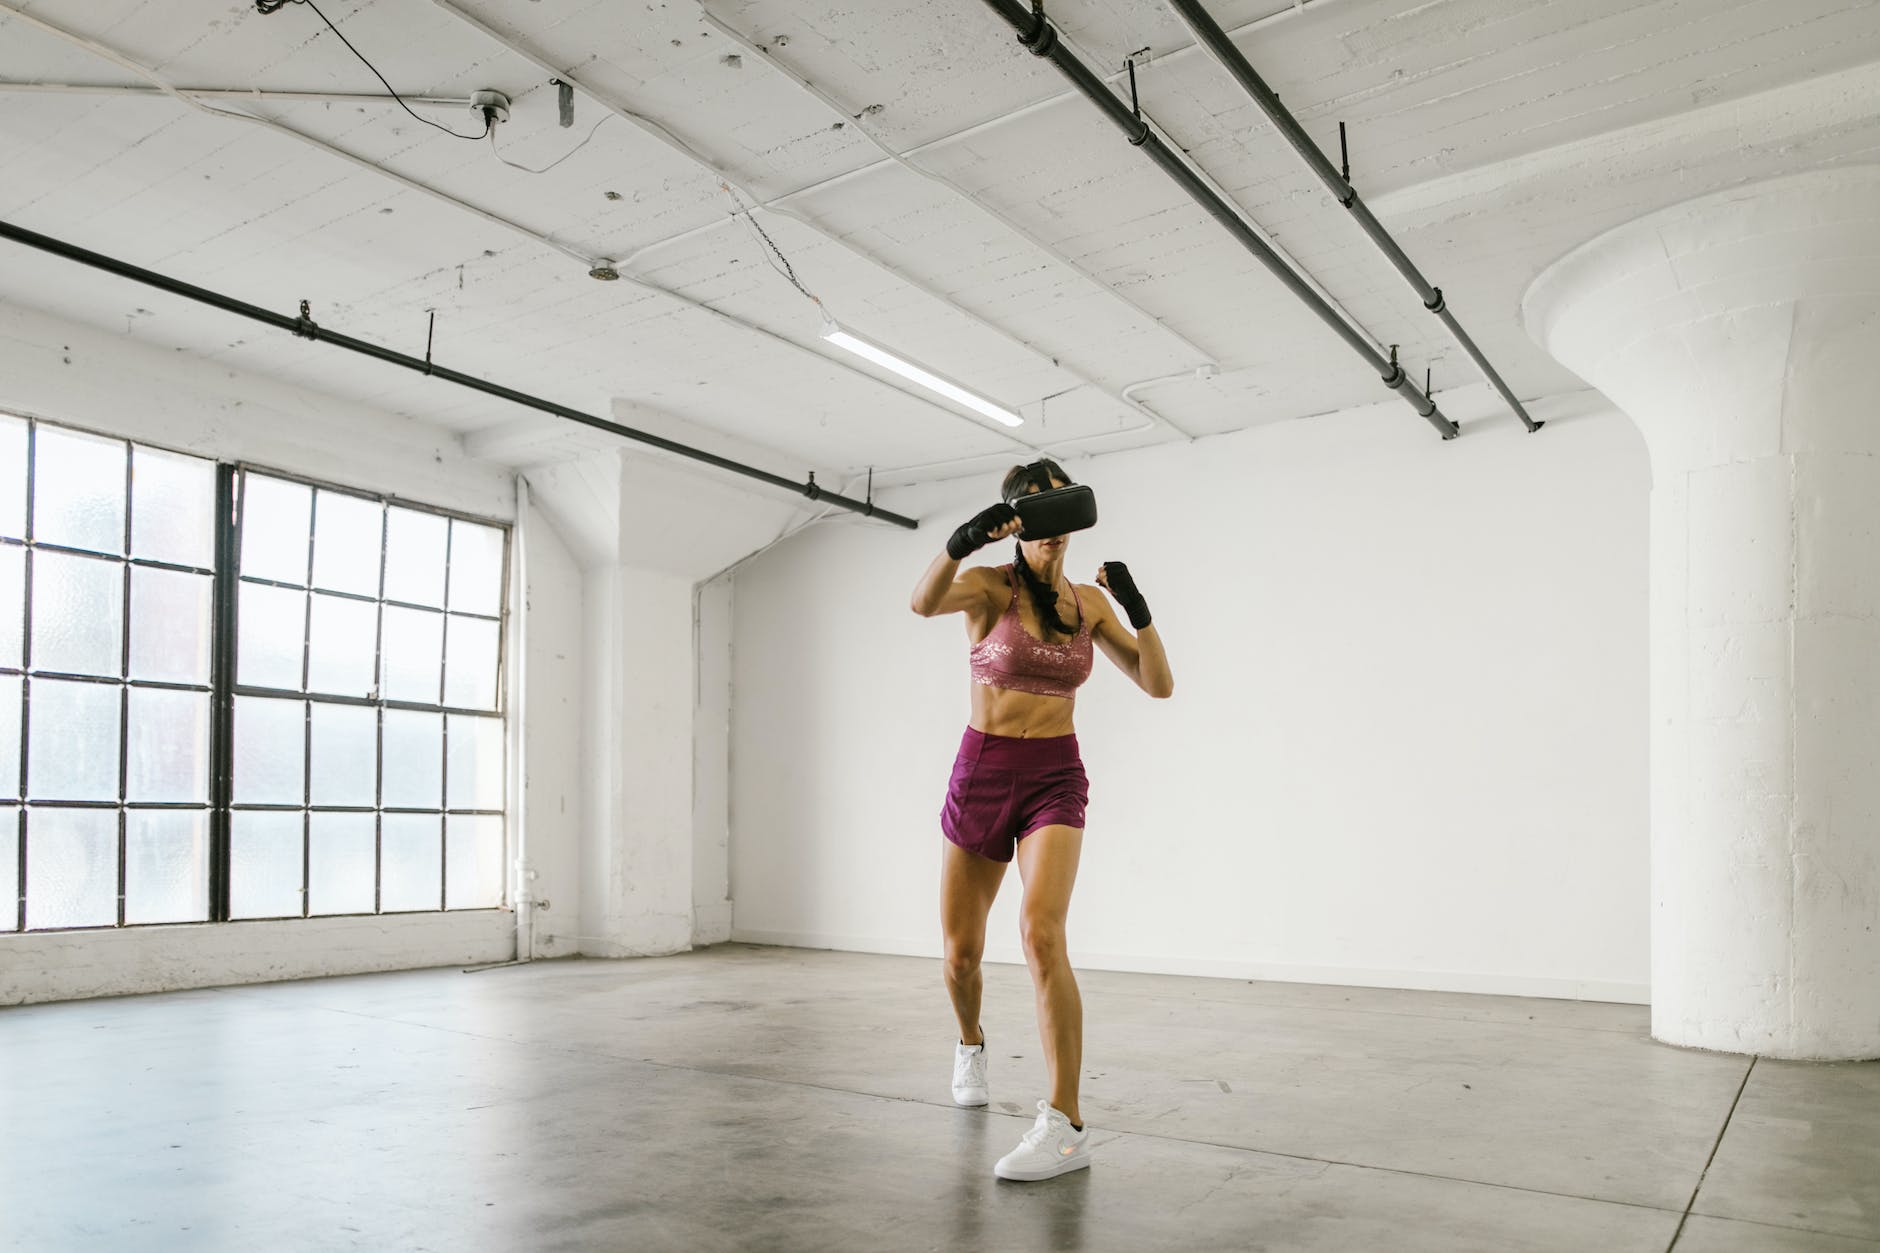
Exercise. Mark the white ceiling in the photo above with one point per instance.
(1492, 134)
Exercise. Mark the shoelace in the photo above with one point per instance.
(1040, 1130)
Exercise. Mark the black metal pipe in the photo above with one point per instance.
(1038, 35)
(306, 328)
(1209, 33)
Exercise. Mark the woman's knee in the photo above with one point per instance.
(963, 957)
(1043, 938)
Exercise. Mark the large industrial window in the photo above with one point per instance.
(287, 707)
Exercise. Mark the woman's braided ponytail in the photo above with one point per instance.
(1043, 599)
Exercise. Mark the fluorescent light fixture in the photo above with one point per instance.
(843, 338)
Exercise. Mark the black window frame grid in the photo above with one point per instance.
(223, 690)
(308, 698)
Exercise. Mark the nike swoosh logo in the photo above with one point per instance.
(1068, 1149)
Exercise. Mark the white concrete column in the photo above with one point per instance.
(636, 856)
(648, 532)
(1741, 331)
(711, 769)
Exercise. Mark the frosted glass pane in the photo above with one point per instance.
(412, 655)
(72, 741)
(276, 520)
(341, 644)
(270, 751)
(10, 685)
(171, 619)
(470, 663)
(172, 507)
(78, 490)
(414, 556)
(12, 604)
(12, 484)
(475, 770)
(345, 755)
(476, 568)
(9, 869)
(71, 868)
(166, 865)
(264, 870)
(347, 535)
(78, 614)
(414, 760)
(342, 871)
(473, 871)
(411, 862)
(269, 635)
(168, 746)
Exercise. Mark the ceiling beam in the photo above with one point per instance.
(1037, 106)
(1038, 36)
(905, 161)
(589, 261)
(689, 152)
(853, 119)
(163, 85)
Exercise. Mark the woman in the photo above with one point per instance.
(1018, 789)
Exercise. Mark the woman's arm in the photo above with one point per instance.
(1140, 656)
(940, 590)
(943, 589)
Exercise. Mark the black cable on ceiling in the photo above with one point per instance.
(275, 6)
(770, 245)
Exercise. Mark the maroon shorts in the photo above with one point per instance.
(1005, 787)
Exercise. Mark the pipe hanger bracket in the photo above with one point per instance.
(1042, 37)
(1135, 107)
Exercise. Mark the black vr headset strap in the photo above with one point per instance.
(1037, 474)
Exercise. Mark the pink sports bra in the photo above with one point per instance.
(1011, 657)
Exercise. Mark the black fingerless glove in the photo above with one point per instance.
(1123, 588)
(975, 535)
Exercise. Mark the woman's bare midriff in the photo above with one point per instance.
(1001, 711)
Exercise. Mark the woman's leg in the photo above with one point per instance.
(968, 884)
(1047, 862)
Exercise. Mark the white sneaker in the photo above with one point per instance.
(1049, 1149)
(969, 1074)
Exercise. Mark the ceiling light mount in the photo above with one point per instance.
(492, 106)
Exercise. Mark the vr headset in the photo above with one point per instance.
(1051, 511)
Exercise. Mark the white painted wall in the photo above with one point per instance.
(69, 965)
(68, 373)
(64, 372)
(1407, 745)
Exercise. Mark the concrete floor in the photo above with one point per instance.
(780, 1099)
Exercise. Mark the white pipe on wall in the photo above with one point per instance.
(522, 880)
